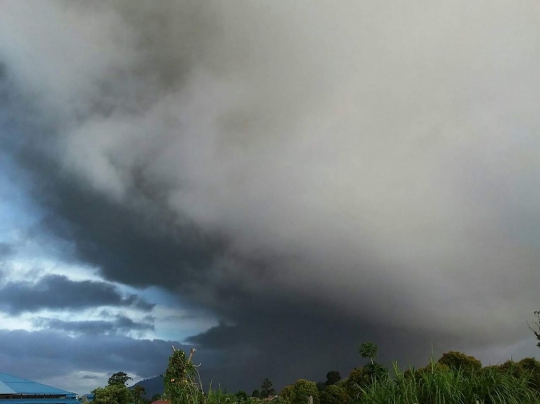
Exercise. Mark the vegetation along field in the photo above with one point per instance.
(454, 378)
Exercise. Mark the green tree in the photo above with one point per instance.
(138, 393)
(357, 380)
(156, 397)
(457, 360)
(287, 394)
(376, 371)
(120, 378)
(537, 324)
(242, 397)
(334, 395)
(332, 377)
(300, 391)
(112, 394)
(256, 393)
(267, 389)
(368, 350)
(321, 386)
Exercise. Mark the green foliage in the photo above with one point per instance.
(334, 394)
(527, 367)
(376, 371)
(332, 377)
(112, 394)
(457, 360)
(267, 389)
(368, 350)
(138, 393)
(300, 391)
(182, 382)
(287, 394)
(531, 366)
(156, 397)
(256, 393)
(442, 384)
(214, 397)
(537, 324)
(242, 397)
(358, 378)
(120, 378)
(320, 386)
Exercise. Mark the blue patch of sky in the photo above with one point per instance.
(17, 211)
(159, 296)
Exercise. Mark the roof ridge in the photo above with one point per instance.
(30, 387)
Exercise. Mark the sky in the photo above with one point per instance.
(272, 182)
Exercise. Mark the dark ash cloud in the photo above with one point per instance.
(311, 174)
(59, 292)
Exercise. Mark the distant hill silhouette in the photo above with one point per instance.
(152, 386)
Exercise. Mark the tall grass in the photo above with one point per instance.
(442, 385)
(192, 392)
(435, 384)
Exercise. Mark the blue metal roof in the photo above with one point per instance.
(40, 401)
(15, 385)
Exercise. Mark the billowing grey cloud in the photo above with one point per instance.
(59, 292)
(118, 326)
(370, 166)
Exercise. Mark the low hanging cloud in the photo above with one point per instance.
(371, 166)
(44, 354)
(59, 292)
(120, 325)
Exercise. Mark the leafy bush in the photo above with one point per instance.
(299, 392)
(358, 378)
(112, 394)
(332, 377)
(457, 360)
(334, 395)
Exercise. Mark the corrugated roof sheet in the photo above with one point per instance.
(15, 385)
(4, 389)
(40, 401)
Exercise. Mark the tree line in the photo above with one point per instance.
(454, 378)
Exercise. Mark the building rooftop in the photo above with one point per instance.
(11, 385)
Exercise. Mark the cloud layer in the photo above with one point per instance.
(369, 167)
(120, 325)
(40, 355)
(59, 292)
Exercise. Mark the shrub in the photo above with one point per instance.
(112, 394)
(358, 378)
(332, 377)
(457, 360)
(242, 397)
(300, 391)
(334, 395)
